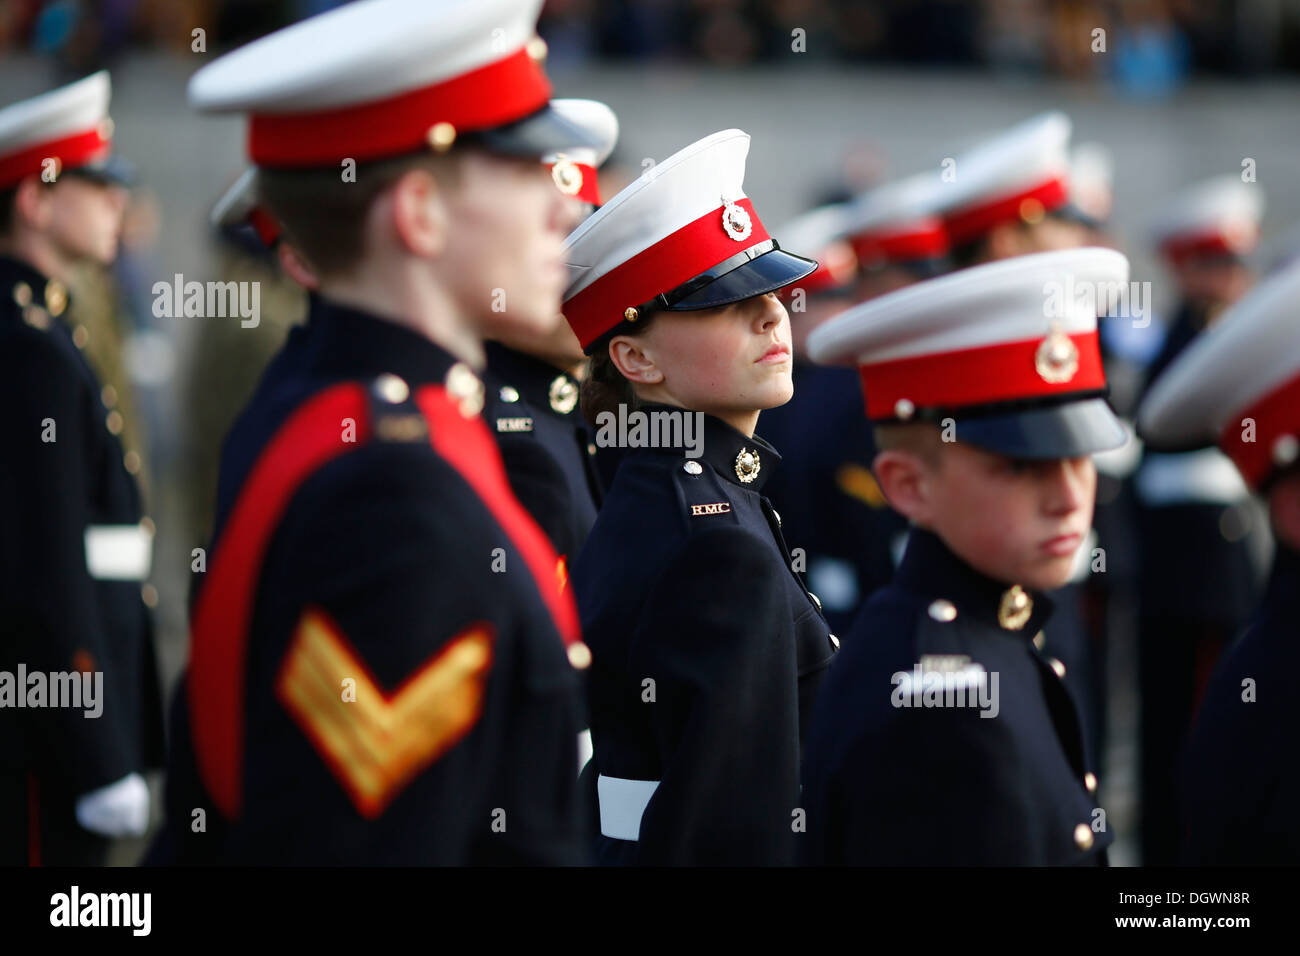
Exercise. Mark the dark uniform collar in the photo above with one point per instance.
(38, 298)
(930, 568)
(536, 381)
(352, 343)
(744, 461)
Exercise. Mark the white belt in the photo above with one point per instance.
(1195, 477)
(622, 803)
(118, 552)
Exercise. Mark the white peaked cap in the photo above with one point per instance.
(1218, 216)
(1021, 173)
(1244, 366)
(1008, 349)
(69, 124)
(677, 221)
(575, 168)
(380, 78)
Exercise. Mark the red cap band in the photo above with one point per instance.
(1006, 372)
(973, 222)
(589, 191)
(1276, 416)
(696, 247)
(71, 152)
(1216, 243)
(493, 95)
(920, 240)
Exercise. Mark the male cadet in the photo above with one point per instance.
(532, 381)
(74, 546)
(377, 670)
(1238, 386)
(833, 508)
(942, 719)
(1201, 536)
(1010, 196)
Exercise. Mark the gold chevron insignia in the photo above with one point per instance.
(374, 742)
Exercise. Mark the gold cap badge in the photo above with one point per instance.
(567, 175)
(1057, 358)
(736, 222)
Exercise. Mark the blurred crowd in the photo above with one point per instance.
(1153, 45)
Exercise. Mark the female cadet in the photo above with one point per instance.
(707, 647)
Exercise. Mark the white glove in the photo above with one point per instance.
(120, 809)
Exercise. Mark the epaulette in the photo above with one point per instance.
(702, 495)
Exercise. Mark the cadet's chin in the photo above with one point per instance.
(1049, 574)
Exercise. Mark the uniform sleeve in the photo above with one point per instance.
(725, 710)
(945, 769)
(49, 596)
(423, 709)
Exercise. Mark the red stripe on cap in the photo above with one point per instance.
(493, 95)
(1276, 416)
(1005, 372)
(920, 240)
(974, 221)
(71, 152)
(267, 229)
(696, 247)
(1215, 243)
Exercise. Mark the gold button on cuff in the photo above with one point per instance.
(1083, 836)
(1090, 781)
(942, 610)
(579, 656)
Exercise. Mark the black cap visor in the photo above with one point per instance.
(113, 171)
(755, 271)
(535, 136)
(1064, 430)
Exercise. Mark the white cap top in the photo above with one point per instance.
(898, 203)
(814, 230)
(1092, 174)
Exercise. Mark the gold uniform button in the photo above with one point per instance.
(1057, 667)
(442, 136)
(108, 395)
(816, 600)
(56, 297)
(692, 467)
(942, 610)
(80, 337)
(591, 448)
(1090, 781)
(23, 294)
(149, 594)
(509, 393)
(131, 462)
(1015, 608)
(114, 423)
(466, 388)
(392, 389)
(835, 642)
(579, 656)
(1083, 836)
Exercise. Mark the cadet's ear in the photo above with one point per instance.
(31, 201)
(1284, 508)
(902, 476)
(419, 213)
(294, 264)
(631, 357)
